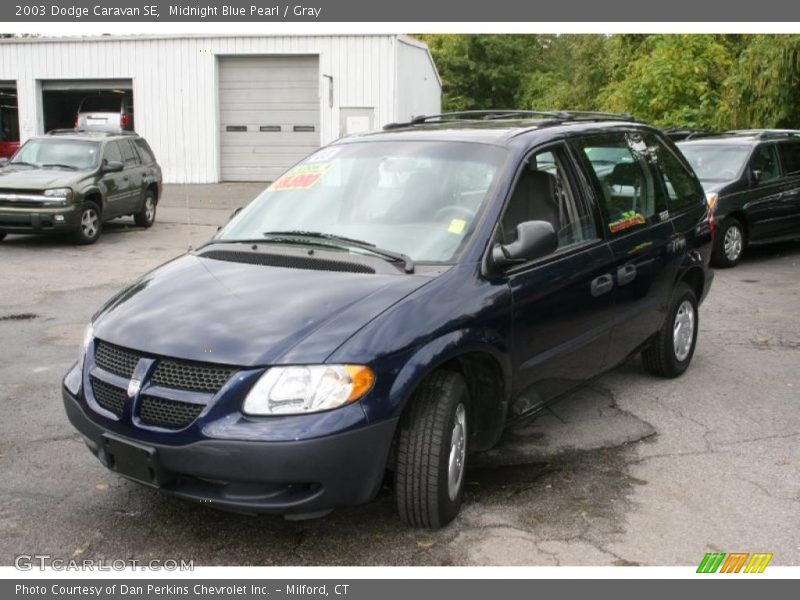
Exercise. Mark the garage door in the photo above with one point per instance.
(269, 114)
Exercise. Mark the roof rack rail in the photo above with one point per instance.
(557, 116)
(763, 134)
(106, 132)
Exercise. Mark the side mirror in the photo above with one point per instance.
(235, 212)
(3, 161)
(756, 174)
(113, 166)
(534, 240)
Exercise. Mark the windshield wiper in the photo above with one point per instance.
(22, 162)
(61, 166)
(408, 263)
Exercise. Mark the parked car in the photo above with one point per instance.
(752, 180)
(107, 110)
(7, 149)
(73, 181)
(391, 303)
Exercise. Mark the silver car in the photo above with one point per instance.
(105, 110)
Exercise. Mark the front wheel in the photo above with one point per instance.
(671, 350)
(730, 244)
(432, 452)
(147, 216)
(90, 224)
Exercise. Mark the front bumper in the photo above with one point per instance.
(45, 219)
(298, 477)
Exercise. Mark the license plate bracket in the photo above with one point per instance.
(135, 461)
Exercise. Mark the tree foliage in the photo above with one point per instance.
(702, 81)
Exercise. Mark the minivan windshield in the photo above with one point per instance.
(418, 198)
(70, 154)
(715, 162)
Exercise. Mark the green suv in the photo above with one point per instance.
(73, 181)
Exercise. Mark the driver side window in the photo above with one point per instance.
(765, 163)
(545, 192)
(111, 153)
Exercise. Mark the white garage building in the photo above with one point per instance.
(226, 108)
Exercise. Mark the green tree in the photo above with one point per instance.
(483, 71)
(670, 80)
(763, 87)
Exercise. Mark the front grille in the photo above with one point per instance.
(191, 376)
(109, 396)
(114, 359)
(170, 414)
(287, 261)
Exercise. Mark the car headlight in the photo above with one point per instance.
(88, 336)
(59, 194)
(307, 389)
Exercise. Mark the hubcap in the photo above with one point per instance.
(149, 209)
(683, 332)
(458, 452)
(733, 242)
(90, 223)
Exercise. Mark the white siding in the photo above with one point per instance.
(175, 84)
(419, 90)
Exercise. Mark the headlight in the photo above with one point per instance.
(62, 194)
(88, 336)
(307, 389)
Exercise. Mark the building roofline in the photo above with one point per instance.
(44, 39)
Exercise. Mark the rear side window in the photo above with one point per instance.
(681, 187)
(790, 157)
(620, 165)
(145, 153)
(128, 155)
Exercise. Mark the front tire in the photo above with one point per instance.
(672, 348)
(147, 216)
(432, 452)
(90, 224)
(730, 244)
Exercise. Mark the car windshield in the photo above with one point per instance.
(76, 154)
(421, 199)
(714, 162)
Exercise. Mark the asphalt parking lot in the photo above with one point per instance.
(628, 470)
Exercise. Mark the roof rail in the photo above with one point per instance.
(106, 132)
(763, 134)
(557, 116)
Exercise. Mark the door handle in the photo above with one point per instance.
(626, 274)
(602, 284)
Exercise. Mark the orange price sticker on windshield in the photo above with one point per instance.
(302, 177)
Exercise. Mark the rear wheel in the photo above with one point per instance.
(672, 349)
(147, 216)
(730, 244)
(90, 224)
(432, 452)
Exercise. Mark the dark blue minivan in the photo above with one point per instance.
(389, 304)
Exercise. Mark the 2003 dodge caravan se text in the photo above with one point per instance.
(389, 304)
